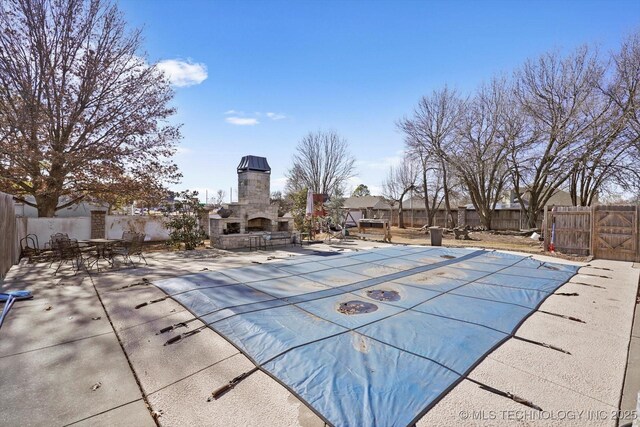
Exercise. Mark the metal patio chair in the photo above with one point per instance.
(53, 245)
(131, 245)
(69, 251)
(29, 247)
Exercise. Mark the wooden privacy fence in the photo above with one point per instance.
(503, 219)
(412, 218)
(604, 231)
(12, 229)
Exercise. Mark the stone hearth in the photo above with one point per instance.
(253, 215)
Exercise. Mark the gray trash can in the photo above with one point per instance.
(436, 236)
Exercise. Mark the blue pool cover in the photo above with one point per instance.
(430, 315)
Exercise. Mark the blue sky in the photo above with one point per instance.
(253, 77)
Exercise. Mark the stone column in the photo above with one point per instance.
(204, 223)
(98, 224)
(462, 216)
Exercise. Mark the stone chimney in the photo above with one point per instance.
(254, 181)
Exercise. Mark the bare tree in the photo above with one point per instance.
(553, 95)
(399, 182)
(433, 127)
(430, 174)
(220, 197)
(322, 163)
(479, 155)
(623, 132)
(607, 162)
(82, 113)
(284, 203)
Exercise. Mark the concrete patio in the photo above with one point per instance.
(79, 353)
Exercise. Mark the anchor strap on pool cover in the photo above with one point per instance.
(387, 366)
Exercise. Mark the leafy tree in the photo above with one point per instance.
(297, 201)
(81, 113)
(184, 220)
(361, 190)
(334, 206)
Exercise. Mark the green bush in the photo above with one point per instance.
(184, 220)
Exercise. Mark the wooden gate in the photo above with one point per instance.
(572, 226)
(615, 233)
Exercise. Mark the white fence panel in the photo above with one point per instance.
(76, 228)
(153, 226)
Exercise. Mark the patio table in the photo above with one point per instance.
(103, 252)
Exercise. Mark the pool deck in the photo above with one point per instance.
(80, 353)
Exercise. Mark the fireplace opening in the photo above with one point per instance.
(259, 224)
(283, 226)
(232, 228)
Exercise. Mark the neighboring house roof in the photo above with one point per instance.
(415, 202)
(366, 202)
(560, 198)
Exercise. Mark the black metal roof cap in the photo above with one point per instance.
(254, 163)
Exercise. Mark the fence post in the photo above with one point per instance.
(462, 216)
(592, 234)
(521, 227)
(545, 233)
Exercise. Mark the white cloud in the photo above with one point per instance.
(278, 184)
(183, 150)
(183, 73)
(242, 121)
(275, 116)
(382, 165)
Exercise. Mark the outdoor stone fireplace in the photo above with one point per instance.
(253, 214)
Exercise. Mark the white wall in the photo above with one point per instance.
(77, 228)
(80, 209)
(152, 226)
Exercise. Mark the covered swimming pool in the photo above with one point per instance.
(372, 337)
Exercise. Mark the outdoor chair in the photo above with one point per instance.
(54, 242)
(121, 248)
(128, 236)
(69, 251)
(29, 247)
(130, 247)
(58, 237)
